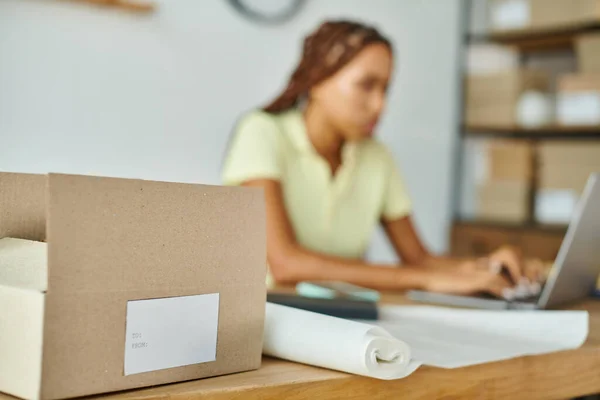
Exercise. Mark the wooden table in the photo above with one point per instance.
(559, 375)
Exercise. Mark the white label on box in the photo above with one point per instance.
(510, 14)
(555, 206)
(171, 332)
(579, 108)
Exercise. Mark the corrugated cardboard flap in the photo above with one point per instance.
(22, 206)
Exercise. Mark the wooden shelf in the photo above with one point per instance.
(540, 40)
(479, 238)
(549, 132)
(136, 6)
(528, 226)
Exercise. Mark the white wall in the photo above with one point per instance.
(93, 91)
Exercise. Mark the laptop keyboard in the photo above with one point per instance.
(520, 296)
(526, 299)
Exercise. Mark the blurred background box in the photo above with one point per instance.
(504, 87)
(572, 177)
(579, 99)
(555, 206)
(579, 82)
(490, 58)
(556, 13)
(492, 99)
(588, 53)
(510, 160)
(504, 192)
(566, 152)
(491, 115)
(564, 168)
(507, 15)
(506, 201)
(567, 165)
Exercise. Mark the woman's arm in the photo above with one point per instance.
(291, 263)
(409, 247)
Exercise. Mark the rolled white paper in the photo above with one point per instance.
(334, 343)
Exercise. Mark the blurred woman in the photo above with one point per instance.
(328, 182)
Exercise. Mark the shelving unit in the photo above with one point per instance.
(477, 237)
(531, 226)
(540, 40)
(545, 133)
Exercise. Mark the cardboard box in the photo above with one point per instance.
(510, 160)
(567, 164)
(504, 201)
(509, 14)
(579, 99)
(114, 245)
(548, 14)
(523, 15)
(505, 88)
(579, 83)
(486, 59)
(502, 212)
(564, 168)
(565, 176)
(567, 153)
(492, 99)
(588, 53)
(494, 115)
(555, 206)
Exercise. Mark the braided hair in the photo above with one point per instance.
(325, 51)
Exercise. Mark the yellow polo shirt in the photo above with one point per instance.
(334, 215)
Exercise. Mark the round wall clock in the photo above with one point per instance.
(268, 11)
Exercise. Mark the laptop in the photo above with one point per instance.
(573, 275)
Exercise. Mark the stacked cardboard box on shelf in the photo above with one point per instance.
(507, 15)
(490, 58)
(579, 99)
(551, 13)
(491, 99)
(588, 53)
(564, 168)
(579, 93)
(505, 192)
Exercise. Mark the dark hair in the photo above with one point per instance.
(325, 52)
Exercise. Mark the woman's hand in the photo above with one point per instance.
(509, 258)
(524, 276)
(520, 271)
(468, 280)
